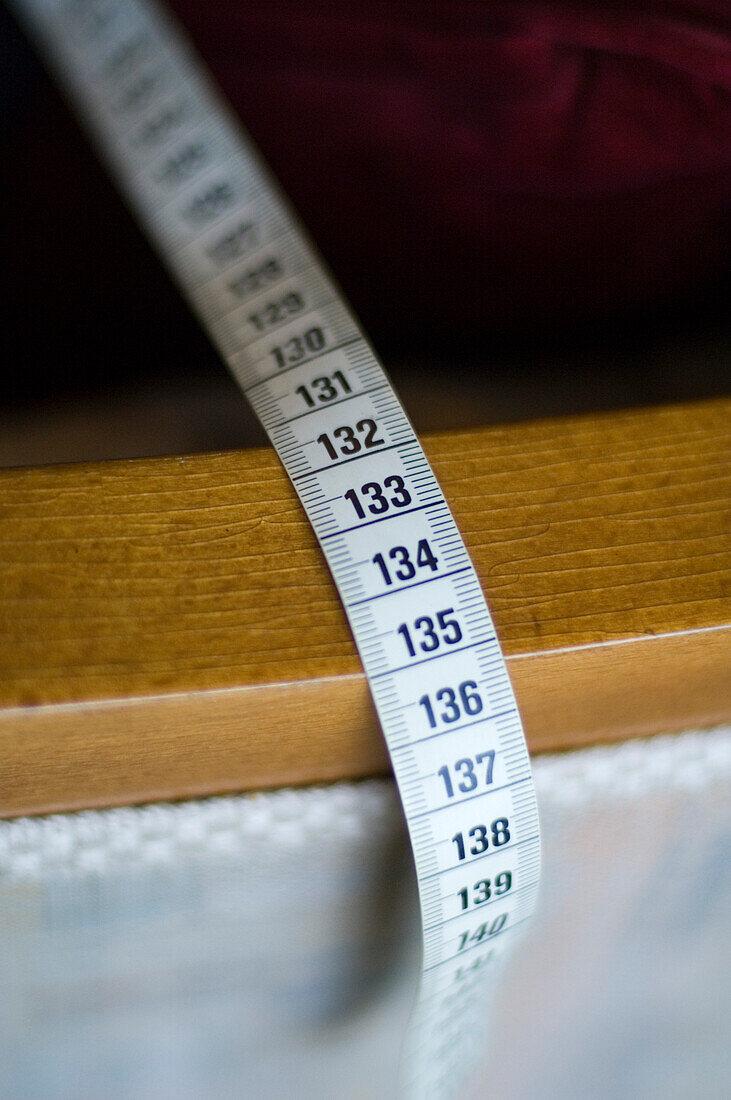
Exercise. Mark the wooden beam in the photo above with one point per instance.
(168, 627)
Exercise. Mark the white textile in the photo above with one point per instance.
(266, 945)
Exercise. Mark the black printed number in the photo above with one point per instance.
(348, 442)
(483, 932)
(256, 278)
(467, 769)
(234, 243)
(481, 836)
(299, 347)
(424, 559)
(485, 889)
(452, 703)
(211, 203)
(431, 635)
(325, 388)
(392, 494)
(273, 313)
(476, 965)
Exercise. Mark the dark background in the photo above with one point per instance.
(102, 358)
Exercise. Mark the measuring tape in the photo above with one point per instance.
(412, 597)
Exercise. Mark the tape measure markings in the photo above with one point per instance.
(430, 652)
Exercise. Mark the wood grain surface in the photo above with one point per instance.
(168, 626)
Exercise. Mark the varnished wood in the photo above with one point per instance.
(168, 626)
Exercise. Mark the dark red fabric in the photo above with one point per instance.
(501, 164)
(468, 168)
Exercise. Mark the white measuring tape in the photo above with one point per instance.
(411, 594)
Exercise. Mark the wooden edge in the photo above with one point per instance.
(136, 664)
(180, 746)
